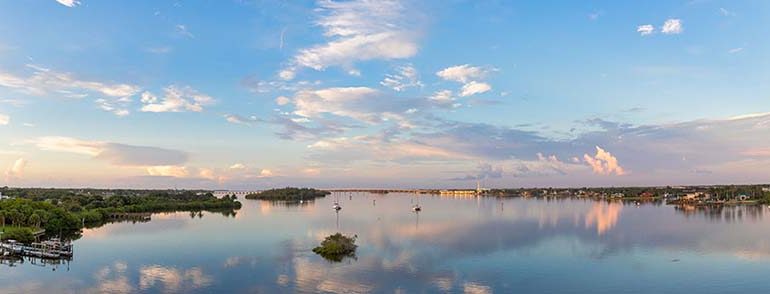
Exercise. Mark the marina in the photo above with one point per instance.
(49, 249)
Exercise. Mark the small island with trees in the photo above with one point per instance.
(336, 247)
(289, 194)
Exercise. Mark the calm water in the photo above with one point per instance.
(455, 245)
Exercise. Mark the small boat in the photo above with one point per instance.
(336, 206)
(417, 208)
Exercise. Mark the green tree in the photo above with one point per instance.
(34, 219)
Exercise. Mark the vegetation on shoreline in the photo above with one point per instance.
(725, 193)
(21, 234)
(336, 247)
(289, 194)
(61, 211)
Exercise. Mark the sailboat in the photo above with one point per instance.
(417, 207)
(336, 205)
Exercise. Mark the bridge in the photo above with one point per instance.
(222, 193)
(383, 191)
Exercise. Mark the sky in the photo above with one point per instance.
(253, 94)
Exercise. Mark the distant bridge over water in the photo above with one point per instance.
(383, 191)
(221, 193)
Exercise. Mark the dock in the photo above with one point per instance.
(50, 249)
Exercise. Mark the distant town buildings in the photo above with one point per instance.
(3, 197)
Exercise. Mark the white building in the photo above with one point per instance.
(3, 197)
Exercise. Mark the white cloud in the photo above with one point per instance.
(176, 99)
(16, 170)
(44, 81)
(183, 31)
(237, 119)
(672, 26)
(287, 74)
(282, 100)
(469, 76)
(4, 119)
(337, 101)
(359, 30)
(265, 173)
(442, 98)
(473, 88)
(374, 148)
(105, 105)
(645, 30)
(462, 73)
(238, 166)
(604, 163)
(168, 171)
(405, 77)
(69, 3)
(115, 153)
(735, 50)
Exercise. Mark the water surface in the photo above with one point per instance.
(455, 245)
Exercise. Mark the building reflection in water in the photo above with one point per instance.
(723, 213)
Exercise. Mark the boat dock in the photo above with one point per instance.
(51, 249)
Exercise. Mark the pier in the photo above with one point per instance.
(131, 216)
(50, 249)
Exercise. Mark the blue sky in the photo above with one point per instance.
(253, 94)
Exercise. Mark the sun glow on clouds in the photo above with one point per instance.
(604, 163)
(115, 153)
(16, 170)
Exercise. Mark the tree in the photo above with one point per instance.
(2, 217)
(34, 219)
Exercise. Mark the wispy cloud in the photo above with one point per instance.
(182, 30)
(44, 81)
(358, 30)
(405, 77)
(69, 3)
(4, 119)
(115, 153)
(176, 99)
(645, 30)
(723, 11)
(237, 119)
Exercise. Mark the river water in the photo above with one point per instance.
(455, 245)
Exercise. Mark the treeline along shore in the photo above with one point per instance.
(27, 211)
(289, 194)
